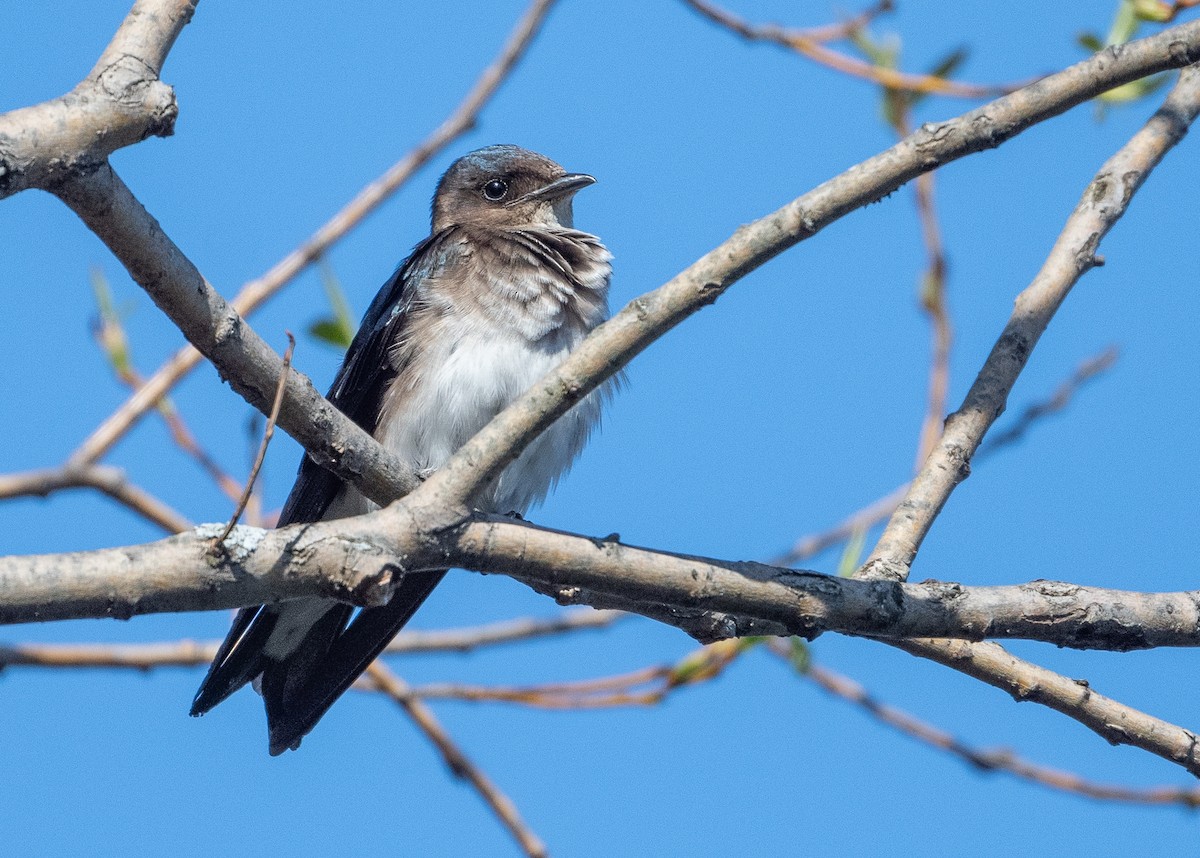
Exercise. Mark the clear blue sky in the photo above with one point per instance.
(791, 402)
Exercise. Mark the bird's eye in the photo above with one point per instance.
(495, 189)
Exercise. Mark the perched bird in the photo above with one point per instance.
(498, 294)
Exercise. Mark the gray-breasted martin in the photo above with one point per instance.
(498, 294)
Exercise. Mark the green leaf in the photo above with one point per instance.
(949, 64)
(944, 69)
(1134, 90)
(885, 54)
(800, 655)
(1151, 10)
(852, 553)
(1090, 42)
(337, 329)
(109, 332)
(331, 333)
(1125, 24)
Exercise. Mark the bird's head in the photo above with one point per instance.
(506, 187)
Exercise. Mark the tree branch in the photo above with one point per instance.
(188, 653)
(107, 206)
(358, 560)
(1104, 201)
(256, 292)
(810, 44)
(1024, 681)
(252, 368)
(105, 478)
(119, 103)
(459, 764)
(615, 343)
(991, 759)
(882, 508)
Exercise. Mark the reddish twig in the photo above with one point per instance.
(996, 759)
(397, 689)
(804, 42)
(262, 448)
(187, 653)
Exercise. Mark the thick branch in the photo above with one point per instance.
(357, 560)
(647, 318)
(119, 103)
(257, 291)
(1104, 201)
(252, 368)
(1025, 681)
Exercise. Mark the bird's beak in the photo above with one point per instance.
(561, 187)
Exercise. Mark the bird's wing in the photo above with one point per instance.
(301, 687)
(366, 372)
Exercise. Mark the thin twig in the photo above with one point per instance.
(396, 688)
(933, 302)
(840, 30)
(256, 292)
(508, 631)
(997, 759)
(1055, 403)
(599, 692)
(647, 686)
(188, 653)
(110, 480)
(879, 510)
(114, 342)
(262, 448)
(803, 42)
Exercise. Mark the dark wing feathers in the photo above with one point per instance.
(358, 388)
(290, 715)
(225, 675)
(298, 691)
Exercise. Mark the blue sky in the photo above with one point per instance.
(793, 401)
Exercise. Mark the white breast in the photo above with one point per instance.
(466, 377)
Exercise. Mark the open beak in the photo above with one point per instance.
(561, 187)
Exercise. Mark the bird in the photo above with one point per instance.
(498, 294)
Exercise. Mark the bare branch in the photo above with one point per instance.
(1056, 402)
(108, 207)
(648, 686)
(112, 339)
(256, 292)
(611, 346)
(809, 43)
(187, 653)
(879, 510)
(995, 759)
(460, 765)
(112, 481)
(147, 34)
(262, 448)
(1103, 203)
(1114, 721)
(508, 631)
(251, 367)
(119, 103)
(933, 302)
(357, 560)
